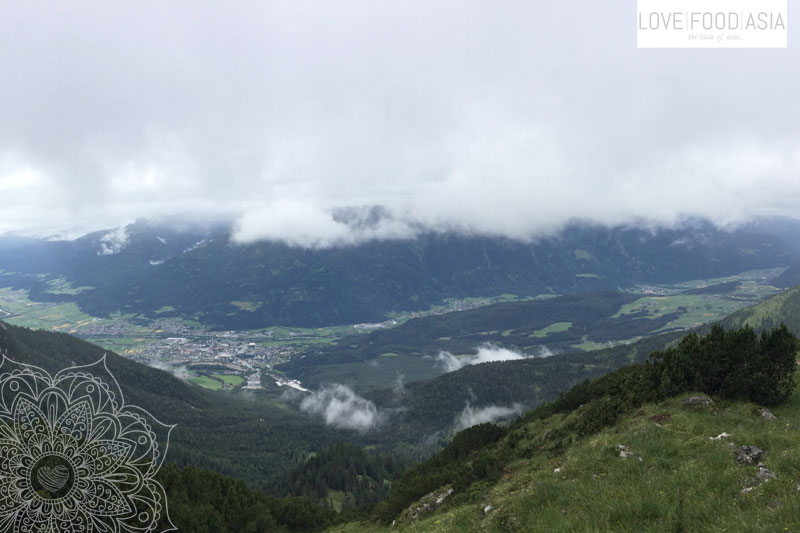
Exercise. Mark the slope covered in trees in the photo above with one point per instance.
(250, 438)
(199, 272)
(344, 477)
(202, 501)
(783, 308)
(789, 278)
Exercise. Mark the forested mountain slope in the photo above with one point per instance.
(248, 438)
(201, 273)
(783, 308)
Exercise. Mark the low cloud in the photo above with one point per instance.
(399, 388)
(488, 353)
(180, 372)
(300, 223)
(113, 242)
(478, 123)
(472, 416)
(544, 351)
(342, 408)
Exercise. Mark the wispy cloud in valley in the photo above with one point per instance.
(472, 416)
(342, 408)
(179, 371)
(488, 353)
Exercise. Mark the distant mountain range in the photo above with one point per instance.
(200, 273)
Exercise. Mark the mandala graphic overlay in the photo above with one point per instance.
(74, 457)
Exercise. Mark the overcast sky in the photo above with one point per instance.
(501, 117)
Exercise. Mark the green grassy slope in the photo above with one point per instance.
(497, 479)
(678, 478)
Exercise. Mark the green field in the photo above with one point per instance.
(587, 346)
(62, 286)
(65, 317)
(336, 498)
(555, 327)
(247, 306)
(229, 379)
(694, 309)
(206, 382)
(216, 381)
(123, 345)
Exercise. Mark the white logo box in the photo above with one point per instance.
(712, 24)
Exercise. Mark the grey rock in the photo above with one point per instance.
(697, 401)
(426, 505)
(762, 476)
(748, 455)
(766, 414)
(624, 451)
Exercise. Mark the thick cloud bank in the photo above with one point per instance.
(472, 416)
(302, 224)
(342, 408)
(463, 115)
(488, 353)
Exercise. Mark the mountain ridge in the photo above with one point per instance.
(200, 273)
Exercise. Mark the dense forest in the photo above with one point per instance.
(362, 478)
(203, 501)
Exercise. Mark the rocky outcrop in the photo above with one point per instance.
(721, 436)
(762, 476)
(425, 505)
(698, 401)
(626, 452)
(748, 455)
(766, 414)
